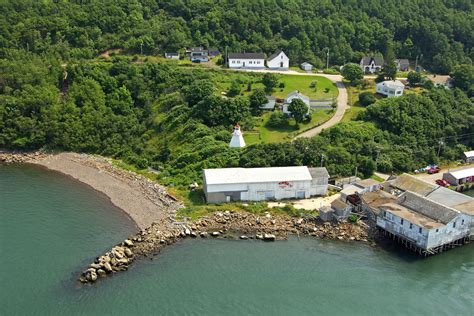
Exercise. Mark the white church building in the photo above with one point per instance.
(279, 60)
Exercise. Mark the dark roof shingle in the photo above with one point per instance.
(246, 56)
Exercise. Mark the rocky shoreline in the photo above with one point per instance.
(154, 210)
(230, 225)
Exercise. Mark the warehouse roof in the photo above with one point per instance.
(256, 175)
(319, 172)
(466, 207)
(427, 207)
(411, 216)
(448, 197)
(461, 174)
(366, 183)
(408, 182)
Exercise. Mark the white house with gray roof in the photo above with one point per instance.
(259, 184)
(246, 60)
(278, 60)
(295, 95)
(371, 65)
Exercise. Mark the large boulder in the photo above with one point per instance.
(269, 237)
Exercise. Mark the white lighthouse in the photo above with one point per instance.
(237, 138)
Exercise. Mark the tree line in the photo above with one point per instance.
(435, 32)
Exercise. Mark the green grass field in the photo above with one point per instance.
(325, 88)
(265, 134)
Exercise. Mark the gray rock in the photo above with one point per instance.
(128, 252)
(243, 237)
(107, 267)
(95, 266)
(128, 242)
(203, 234)
(269, 237)
(101, 273)
(215, 234)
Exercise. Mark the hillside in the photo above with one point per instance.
(439, 33)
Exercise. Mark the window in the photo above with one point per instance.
(437, 230)
(420, 230)
(462, 223)
(411, 225)
(401, 221)
(454, 225)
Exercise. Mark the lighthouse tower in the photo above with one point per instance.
(237, 138)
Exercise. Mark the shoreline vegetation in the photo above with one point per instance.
(153, 209)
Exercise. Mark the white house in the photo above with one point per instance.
(306, 66)
(423, 223)
(390, 88)
(278, 60)
(259, 184)
(172, 55)
(371, 64)
(469, 156)
(237, 140)
(402, 64)
(246, 60)
(295, 95)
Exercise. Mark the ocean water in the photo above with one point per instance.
(51, 227)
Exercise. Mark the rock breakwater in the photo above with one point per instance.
(232, 225)
(21, 157)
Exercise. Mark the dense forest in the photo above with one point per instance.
(56, 94)
(439, 33)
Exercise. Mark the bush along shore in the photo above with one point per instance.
(231, 225)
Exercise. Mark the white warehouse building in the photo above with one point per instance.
(259, 184)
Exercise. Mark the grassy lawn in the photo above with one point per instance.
(265, 134)
(325, 88)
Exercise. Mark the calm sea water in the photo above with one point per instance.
(52, 226)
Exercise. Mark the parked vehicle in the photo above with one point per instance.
(442, 182)
(433, 170)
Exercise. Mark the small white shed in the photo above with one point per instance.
(390, 88)
(306, 66)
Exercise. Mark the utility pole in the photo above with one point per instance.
(141, 48)
(322, 159)
(440, 143)
(355, 175)
(327, 59)
(377, 159)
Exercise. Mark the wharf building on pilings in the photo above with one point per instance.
(425, 218)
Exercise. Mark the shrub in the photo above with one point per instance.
(366, 98)
(353, 218)
(277, 119)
